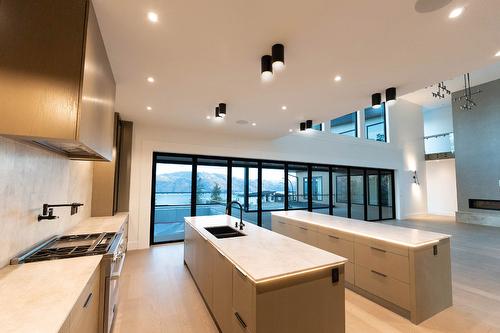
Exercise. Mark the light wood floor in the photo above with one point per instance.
(158, 295)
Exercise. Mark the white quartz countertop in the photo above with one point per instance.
(263, 254)
(39, 296)
(384, 232)
(99, 224)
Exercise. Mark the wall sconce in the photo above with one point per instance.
(415, 177)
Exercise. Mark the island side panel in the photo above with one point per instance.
(312, 304)
(431, 287)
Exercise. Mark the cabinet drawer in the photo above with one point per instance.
(349, 272)
(244, 299)
(337, 233)
(280, 227)
(393, 265)
(386, 246)
(376, 283)
(85, 313)
(304, 234)
(337, 245)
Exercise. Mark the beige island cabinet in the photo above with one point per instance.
(405, 270)
(263, 282)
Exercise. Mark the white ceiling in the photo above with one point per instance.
(205, 52)
(424, 96)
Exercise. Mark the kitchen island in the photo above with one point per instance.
(405, 270)
(263, 282)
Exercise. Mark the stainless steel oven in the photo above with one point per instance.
(112, 266)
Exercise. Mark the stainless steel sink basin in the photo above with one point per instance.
(224, 232)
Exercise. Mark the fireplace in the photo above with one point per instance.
(484, 204)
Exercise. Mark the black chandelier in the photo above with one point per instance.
(467, 96)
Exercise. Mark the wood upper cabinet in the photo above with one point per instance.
(58, 89)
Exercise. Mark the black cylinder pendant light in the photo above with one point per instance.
(302, 126)
(309, 124)
(376, 100)
(222, 110)
(266, 68)
(278, 56)
(390, 95)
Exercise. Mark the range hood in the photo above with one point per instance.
(58, 90)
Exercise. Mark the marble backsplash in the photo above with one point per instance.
(29, 177)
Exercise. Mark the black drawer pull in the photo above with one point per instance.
(334, 237)
(377, 249)
(378, 273)
(303, 228)
(281, 222)
(242, 322)
(87, 302)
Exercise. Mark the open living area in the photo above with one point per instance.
(249, 167)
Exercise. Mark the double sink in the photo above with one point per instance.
(224, 232)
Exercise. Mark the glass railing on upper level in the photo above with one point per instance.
(439, 146)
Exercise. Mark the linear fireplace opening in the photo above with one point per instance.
(484, 204)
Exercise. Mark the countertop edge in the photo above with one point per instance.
(411, 245)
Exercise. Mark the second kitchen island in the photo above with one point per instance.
(263, 282)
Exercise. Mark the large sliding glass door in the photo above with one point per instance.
(320, 189)
(372, 195)
(297, 186)
(387, 194)
(244, 189)
(172, 198)
(194, 185)
(211, 186)
(357, 181)
(340, 191)
(273, 190)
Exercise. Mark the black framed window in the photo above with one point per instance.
(345, 125)
(375, 123)
(190, 185)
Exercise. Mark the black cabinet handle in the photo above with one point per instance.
(303, 228)
(334, 237)
(377, 249)
(242, 322)
(87, 302)
(378, 273)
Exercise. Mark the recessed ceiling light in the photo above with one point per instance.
(290, 130)
(254, 124)
(151, 79)
(153, 17)
(149, 108)
(283, 107)
(208, 117)
(456, 12)
(338, 78)
(497, 54)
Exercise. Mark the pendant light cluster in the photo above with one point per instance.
(306, 125)
(220, 111)
(390, 98)
(271, 63)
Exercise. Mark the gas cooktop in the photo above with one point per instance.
(68, 247)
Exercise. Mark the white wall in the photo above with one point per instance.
(441, 187)
(405, 152)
